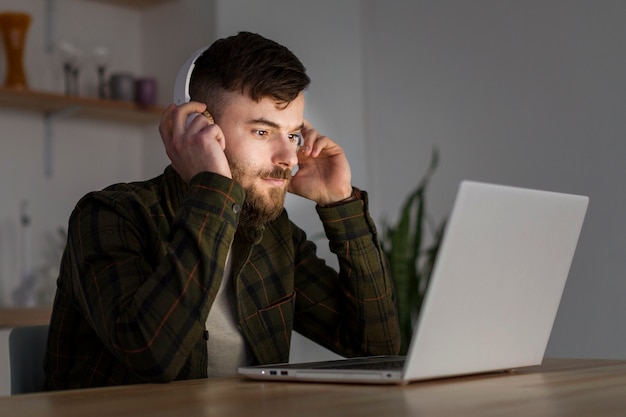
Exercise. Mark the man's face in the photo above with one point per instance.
(261, 147)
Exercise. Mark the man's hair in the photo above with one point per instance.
(249, 63)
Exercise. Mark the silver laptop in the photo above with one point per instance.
(493, 296)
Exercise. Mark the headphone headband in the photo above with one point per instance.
(181, 85)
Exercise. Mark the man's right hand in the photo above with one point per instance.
(194, 148)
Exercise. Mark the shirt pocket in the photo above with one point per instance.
(272, 327)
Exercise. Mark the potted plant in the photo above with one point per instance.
(411, 256)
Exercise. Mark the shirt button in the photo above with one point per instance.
(236, 208)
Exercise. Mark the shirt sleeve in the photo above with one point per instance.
(352, 311)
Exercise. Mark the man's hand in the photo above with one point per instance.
(323, 171)
(194, 148)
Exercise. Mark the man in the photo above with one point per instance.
(199, 271)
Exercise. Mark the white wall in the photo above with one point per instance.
(527, 93)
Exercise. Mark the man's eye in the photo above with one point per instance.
(297, 139)
(261, 132)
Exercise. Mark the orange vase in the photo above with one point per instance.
(14, 27)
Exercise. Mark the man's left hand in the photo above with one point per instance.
(323, 170)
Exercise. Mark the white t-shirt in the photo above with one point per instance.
(226, 345)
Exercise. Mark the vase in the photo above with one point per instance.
(14, 27)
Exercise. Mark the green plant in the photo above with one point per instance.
(410, 256)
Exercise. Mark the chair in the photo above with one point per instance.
(27, 346)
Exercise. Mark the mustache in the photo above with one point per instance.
(277, 173)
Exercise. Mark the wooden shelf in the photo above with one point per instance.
(50, 103)
(15, 317)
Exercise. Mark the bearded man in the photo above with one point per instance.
(199, 271)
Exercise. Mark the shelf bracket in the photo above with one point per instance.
(48, 138)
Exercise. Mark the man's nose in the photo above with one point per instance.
(285, 152)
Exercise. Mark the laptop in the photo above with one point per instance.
(493, 294)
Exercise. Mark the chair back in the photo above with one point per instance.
(27, 347)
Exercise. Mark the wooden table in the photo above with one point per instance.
(560, 387)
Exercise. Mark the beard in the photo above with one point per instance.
(260, 208)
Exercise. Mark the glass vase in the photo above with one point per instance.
(14, 26)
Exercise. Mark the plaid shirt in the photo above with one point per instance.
(144, 262)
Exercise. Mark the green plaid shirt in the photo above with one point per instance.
(144, 262)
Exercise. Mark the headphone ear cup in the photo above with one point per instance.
(190, 119)
(181, 84)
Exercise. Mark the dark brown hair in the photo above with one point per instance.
(249, 63)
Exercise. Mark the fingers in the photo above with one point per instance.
(173, 120)
(310, 136)
(182, 114)
(314, 142)
(195, 146)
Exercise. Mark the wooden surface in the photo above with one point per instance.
(14, 317)
(557, 388)
(49, 103)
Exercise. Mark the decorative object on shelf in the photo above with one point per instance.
(146, 91)
(122, 86)
(71, 58)
(101, 57)
(411, 261)
(14, 26)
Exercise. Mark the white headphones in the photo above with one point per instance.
(181, 85)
